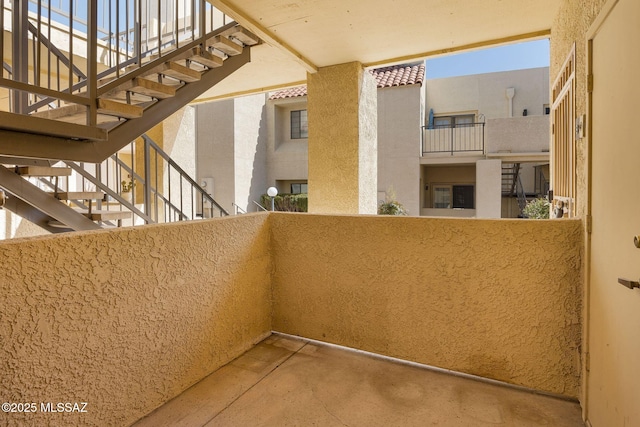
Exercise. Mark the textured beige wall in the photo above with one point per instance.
(485, 93)
(342, 115)
(400, 117)
(495, 298)
(570, 26)
(518, 134)
(124, 320)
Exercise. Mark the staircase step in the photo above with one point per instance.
(119, 109)
(225, 45)
(108, 215)
(80, 195)
(153, 89)
(42, 171)
(245, 36)
(61, 112)
(206, 58)
(179, 72)
(143, 87)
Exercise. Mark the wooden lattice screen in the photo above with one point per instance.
(563, 157)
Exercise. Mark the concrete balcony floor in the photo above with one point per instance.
(284, 381)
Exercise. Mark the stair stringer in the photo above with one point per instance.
(32, 214)
(44, 202)
(37, 146)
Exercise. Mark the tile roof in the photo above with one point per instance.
(397, 75)
(292, 92)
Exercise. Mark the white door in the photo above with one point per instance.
(614, 311)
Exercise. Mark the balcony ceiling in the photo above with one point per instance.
(303, 35)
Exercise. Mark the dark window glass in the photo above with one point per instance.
(299, 125)
(463, 197)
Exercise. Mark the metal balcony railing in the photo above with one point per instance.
(468, 137)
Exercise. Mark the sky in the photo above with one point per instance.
(504, 58)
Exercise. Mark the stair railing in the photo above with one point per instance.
(147, 181)
(522, 197)
(112, 37)
(260, 207)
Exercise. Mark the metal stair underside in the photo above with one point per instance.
(40, 207)
(129, 105)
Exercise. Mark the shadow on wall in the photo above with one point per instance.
(258, 185)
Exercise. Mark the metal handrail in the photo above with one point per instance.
(119, 34)
(207, 197)
(260, 206)
(457, 138)
(156, 190)
(238, 208)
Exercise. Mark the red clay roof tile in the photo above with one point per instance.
(397, 75)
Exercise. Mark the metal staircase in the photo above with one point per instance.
(84, 79)
(138, 185)
(512, 184)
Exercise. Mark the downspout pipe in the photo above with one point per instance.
(511, 92)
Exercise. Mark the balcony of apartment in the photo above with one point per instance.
(527, 137)
(453, 139)
(238, 310)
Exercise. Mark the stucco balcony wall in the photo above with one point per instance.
(127, 319)
(494, 298)
(518, 134)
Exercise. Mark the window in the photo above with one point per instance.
(453, 121)
(463, 197)
(453, 197)
(442, 197)
(299, 125)
(299, 188)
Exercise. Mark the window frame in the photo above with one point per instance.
(299, 124)
(300, 186)
(451, 188)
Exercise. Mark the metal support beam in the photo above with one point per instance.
(33, 215)
(29, 193)
(20, 53)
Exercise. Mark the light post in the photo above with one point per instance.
(272, 192)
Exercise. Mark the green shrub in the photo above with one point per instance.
(286, 202)
(392, 207)
(537, 209)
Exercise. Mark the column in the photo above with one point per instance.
(489, 188)
(342, 115)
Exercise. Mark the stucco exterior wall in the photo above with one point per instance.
(342, 115)
(485, 93)
(496, 298)
(215, 149)
(399, 127)
(250, 140)
(488, 183)
(287, 159)
(127, 319)
(518, 134)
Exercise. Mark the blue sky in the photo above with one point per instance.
(504, 58)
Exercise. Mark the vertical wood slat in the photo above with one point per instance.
(563, 138)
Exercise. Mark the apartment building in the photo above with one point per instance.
(470, 146)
